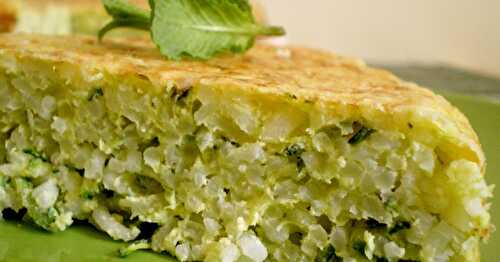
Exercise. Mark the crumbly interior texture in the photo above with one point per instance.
(222, 174)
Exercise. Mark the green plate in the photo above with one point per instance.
(80, 243)
(83, 243)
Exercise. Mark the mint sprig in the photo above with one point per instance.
(199, 29)
(124, 15)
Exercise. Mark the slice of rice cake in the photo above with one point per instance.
(281, 154)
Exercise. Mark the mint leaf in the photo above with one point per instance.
(327, 255)
(202, 29)
(360, 247)
(96, 93)
(35, 154)
(124, 15)
(361, 135)
(400, 225)
(192, 28)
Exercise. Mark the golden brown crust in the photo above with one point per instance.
(330, 80)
